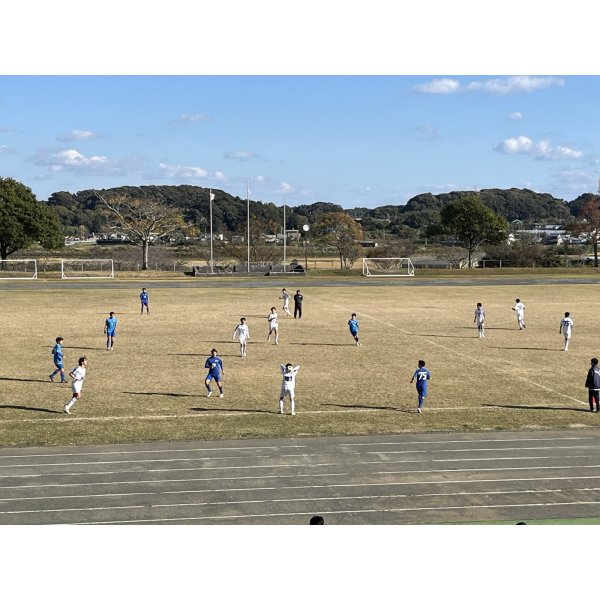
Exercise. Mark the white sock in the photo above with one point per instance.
(281, 406)
(292, 406)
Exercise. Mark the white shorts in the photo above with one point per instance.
(243, 339)
(286, 305)
(286, 392)
(567, 336)
(76, 386)
(273, 326)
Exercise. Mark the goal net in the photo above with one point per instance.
(82, 268)
(388, 267)
(25, 268)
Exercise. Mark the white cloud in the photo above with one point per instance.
(500, 86)
(192, 117)
(240, 155)
(71, 160)
(260, 178)
(516, 145)
(284, 187)
(516, 116)
(522, 83)
(541, 150)
(438, 86)
(181, 172)
(427, 132)
(78, 135)
(4, 149)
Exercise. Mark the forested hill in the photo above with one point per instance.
(229, 212)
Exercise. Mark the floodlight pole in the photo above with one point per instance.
(211, 197)
(248, 220)
(284, 239)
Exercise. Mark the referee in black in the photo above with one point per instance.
(298, 297)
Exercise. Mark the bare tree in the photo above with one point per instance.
(143, 220)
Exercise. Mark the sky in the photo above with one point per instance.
(351, 107)
(351, 140)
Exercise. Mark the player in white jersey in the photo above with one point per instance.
(288, 386)
(77, 375)
(480, 320)
(286, 302)
(566, 328)
(243, 333)
(273, 326)
(519, 307)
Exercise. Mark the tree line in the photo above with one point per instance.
(147, 213)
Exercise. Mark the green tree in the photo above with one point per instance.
(472, 223)
(142, 220)
(341, 231)
(588, 222)
(24, 220)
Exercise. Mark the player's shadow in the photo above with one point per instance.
(369, 406)
(23, 379)
(521, 407)
(528, 348)
(319, 344)
(229, 410)
(474, 327)
(204, 355)
(437, 335)
(171, 394)
(31, 408)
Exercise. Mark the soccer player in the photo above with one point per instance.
(288, 386)
(353, 325)
(298, 297)
(286, 302)
(519, 307)
(422, 375)
(77, 375)
(273, 326)
(110, 329)
(244, 334)
(566, 328)
(58, 356)
(592, 383)
(480, 319)
(214, 364)
(145, 301)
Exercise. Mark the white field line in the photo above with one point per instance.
(461, 354)
(299, 413)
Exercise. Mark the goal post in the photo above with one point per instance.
(24, 268)
(87, 268)
(388, 267)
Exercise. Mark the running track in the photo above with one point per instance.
(400, 479)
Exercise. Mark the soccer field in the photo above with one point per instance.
(151, 386)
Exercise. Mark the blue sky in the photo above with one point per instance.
(328, 103)
(353, 140)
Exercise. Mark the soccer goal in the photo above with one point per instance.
(87, 268)
(25, 268)
(388, 267)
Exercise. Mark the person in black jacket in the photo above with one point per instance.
(592, 383)
(298, 297)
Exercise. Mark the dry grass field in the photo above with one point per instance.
(151, 386)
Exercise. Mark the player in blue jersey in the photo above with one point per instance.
(214, 364)
(353, 325)
(145, 301)
(58, 356)
(110, 329)
(422, 375)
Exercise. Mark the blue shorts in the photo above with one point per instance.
(422, 392)
(215, 376)
(59, 365)
(111, 333)
(354, 332)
